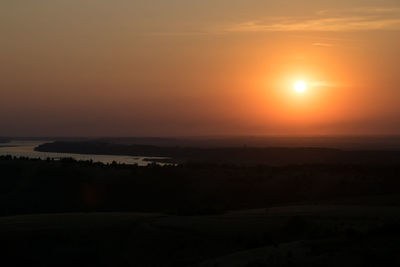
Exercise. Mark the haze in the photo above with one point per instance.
(211, 67)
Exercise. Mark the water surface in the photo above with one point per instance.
(27, 149)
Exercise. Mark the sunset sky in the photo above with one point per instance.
(192, 68)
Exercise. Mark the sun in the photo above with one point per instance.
(300, 87)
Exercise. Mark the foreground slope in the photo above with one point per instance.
(307, 235)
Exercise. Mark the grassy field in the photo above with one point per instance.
(298, 235)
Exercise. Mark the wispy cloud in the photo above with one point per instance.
(179, 33)
(357, 19)
(322, 44)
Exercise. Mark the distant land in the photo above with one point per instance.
(340, 142)
(378, 142)
(229, 155)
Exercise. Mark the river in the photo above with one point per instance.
(27, 149)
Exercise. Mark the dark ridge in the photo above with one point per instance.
(49, 186)
(4, 140)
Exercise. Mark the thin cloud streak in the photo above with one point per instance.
(385, 11)
(322, 44)
(329, 24)
(358, 19)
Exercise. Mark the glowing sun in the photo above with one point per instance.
(300, 87)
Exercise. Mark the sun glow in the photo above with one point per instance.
(300, 87)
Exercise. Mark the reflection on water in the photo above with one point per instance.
(26, 149)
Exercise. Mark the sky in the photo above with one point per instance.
(199, 68)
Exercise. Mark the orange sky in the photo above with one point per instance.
(211, 67)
